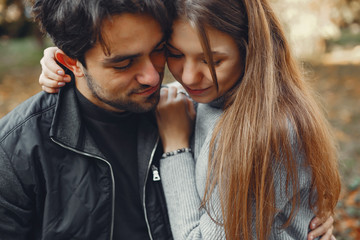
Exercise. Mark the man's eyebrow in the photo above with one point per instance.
(119, 58)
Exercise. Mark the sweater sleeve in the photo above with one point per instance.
(183, 181)
(300, 224)
(187, 219)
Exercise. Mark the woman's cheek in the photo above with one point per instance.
(175, 67)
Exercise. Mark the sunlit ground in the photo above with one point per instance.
(335, 76)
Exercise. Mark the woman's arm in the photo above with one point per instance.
(187, 219)
(304, 224)
(175, 116)
(181, 184)
(184, 177)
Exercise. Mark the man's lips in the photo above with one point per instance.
(196, 91)
(148, 91)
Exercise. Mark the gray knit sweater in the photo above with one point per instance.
(183, 178)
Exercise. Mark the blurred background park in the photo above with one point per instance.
(324, 34)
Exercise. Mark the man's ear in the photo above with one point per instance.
(69, 63)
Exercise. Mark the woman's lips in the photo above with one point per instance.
(196, 91)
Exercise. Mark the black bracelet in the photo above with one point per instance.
(172, 153)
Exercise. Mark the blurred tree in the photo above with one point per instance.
(310, 24)
(15, 20)
(348, 12)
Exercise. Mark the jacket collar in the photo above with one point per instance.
(67, 127)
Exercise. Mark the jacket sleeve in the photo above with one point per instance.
(15, 205)
(187, 219)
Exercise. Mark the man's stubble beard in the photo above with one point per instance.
(124, 103)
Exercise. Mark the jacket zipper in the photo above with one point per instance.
(146, 177)
(112, 178)
(156, 175)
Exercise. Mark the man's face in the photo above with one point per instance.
(129, 78)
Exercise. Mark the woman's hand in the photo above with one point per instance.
(52, 76)
(321, 227)
(175, 116)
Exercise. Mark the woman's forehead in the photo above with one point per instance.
(185, 36)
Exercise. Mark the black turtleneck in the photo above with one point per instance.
(116, 136)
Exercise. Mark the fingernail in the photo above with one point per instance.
(67, 78)
(313, 225)
(311, 237)
(61, 84)
(60, 72)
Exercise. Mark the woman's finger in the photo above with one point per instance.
(48, 82)
(172, 92)
(328, 235)
(48, 61)
(321, 229)
(191, 108)
(163, 98)
(50, 90)
(314, 223)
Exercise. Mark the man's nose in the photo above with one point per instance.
(149, 74)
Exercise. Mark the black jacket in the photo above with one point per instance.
(56, 184)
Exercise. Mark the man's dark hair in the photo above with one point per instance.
(75, 25)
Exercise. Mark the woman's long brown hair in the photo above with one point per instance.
(271, 108)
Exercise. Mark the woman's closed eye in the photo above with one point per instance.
(216, 62)
(173, 54)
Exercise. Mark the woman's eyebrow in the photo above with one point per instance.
(213, 52)
(216, 53)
